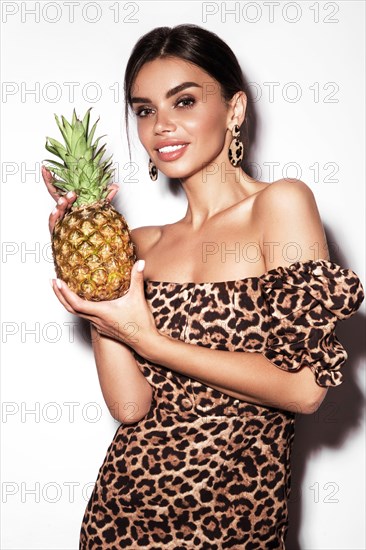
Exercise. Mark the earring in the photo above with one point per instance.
(236, 147)
(153, 172)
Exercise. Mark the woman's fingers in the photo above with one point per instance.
(48, 179)
(64, 293)
(54, 216)
(61, 298)
(63, 204)
(77, 304)
(113, 190)
(55, 193)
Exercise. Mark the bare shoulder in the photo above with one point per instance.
(145, 238)
(289, 223)
(290, 188)
(286, 196)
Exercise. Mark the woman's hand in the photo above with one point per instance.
(127, 319)
(64, 202)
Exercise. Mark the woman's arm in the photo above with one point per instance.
(291, 231)
(125, 389)
(245, 375)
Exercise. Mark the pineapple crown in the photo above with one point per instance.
(83, 170)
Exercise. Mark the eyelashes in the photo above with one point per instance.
(189, 99)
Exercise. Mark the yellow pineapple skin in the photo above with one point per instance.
(93, 251)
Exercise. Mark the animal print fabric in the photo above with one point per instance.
(204, 470)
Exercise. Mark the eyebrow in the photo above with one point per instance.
(169, 93)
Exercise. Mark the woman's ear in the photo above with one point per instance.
(238, 105)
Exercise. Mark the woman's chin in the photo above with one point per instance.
(179, 173)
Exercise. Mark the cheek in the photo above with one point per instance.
(207, 130)
(143, 133)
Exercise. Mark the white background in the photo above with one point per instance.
(50, 457)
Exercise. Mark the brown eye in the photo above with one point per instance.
(190, 100)
(142, 110)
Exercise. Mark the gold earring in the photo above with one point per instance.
(153, 172)
(236, 147)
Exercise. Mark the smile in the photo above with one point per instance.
(170, 148)
(172, 152)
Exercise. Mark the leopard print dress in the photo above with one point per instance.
(203, 470)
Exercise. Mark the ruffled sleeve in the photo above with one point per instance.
(304, 302)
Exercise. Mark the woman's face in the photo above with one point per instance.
(195, 116)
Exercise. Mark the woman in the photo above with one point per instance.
(202, 457)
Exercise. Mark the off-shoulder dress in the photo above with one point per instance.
(202, 469)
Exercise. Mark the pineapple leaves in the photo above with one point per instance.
(54, 162)
(80, 147)
(83, 169)
(99, 155)
(56, 148)
(63, 131)
(76, 135)
(86, 121)
(91, 135)
(67, 129)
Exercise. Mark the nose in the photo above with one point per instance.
(163, 123)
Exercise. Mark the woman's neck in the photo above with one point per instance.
(208, 195)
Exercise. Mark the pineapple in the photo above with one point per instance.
(92, 247)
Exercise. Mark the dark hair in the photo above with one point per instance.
(195, 45)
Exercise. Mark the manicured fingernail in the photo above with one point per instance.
(51, 282)
(58, 283)
(60, 201)
(70, 194)
(140, 265)
(54, 211)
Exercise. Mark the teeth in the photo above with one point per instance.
(170, 148)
